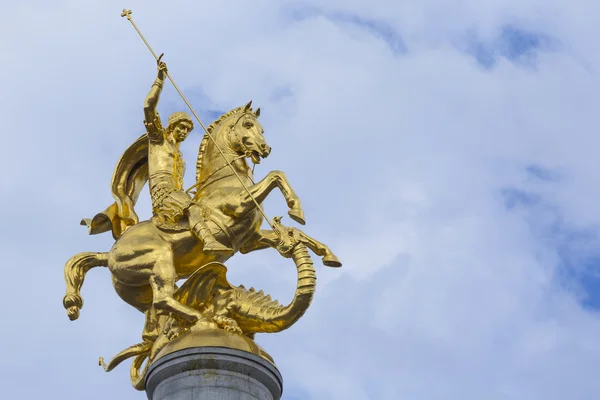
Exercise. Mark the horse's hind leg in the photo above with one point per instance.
(141, 297)
(163, 287)
(154, 325)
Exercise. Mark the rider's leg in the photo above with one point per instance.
(201, 230)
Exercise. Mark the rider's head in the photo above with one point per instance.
(179, 126)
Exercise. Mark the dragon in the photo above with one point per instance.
(235, 309)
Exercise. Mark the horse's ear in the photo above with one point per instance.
(248, 106)
(257, 112)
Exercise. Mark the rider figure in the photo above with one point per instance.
(166, 167)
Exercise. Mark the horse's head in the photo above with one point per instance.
(246, 135)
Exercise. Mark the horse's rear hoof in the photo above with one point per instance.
(332, 261)
(297, 215)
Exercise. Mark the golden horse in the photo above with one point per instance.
(147, 259)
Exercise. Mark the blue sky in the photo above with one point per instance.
(447, 151)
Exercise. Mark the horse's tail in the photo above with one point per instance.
(75, 270)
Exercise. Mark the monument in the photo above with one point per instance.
(198, 338)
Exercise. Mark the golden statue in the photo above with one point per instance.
(190, 235)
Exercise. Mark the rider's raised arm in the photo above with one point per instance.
(151, 118)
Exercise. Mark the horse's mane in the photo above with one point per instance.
(205, 139)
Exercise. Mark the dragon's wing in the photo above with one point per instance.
(197, 289)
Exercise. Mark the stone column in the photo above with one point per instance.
(216, 373)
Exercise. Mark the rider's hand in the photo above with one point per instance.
(162, 69)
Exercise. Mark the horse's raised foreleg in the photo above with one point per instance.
(264, 239)
(276, 179)
(329, 259)
(268, 238)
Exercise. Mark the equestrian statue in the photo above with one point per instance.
(192, 233)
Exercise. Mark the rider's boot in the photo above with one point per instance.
(210, 243)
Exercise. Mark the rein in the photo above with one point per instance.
(197, 184)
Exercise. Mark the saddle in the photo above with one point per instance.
(168, 226)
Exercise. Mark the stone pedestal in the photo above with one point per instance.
(217, 373)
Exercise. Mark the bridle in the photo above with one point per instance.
(247, 153)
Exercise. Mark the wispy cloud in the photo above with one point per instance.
(377, 28)
(512, 43)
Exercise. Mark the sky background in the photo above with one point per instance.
(447, 151)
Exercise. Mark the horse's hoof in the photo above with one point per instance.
(332, 261)
(297, 215)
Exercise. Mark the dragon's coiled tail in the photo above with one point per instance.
(75, 270)
(137, 373)
(307, 278)
(141, 351)
(264, 315)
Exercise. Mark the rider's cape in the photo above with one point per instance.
(129, 177)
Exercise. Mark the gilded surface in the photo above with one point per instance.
(192, 233)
